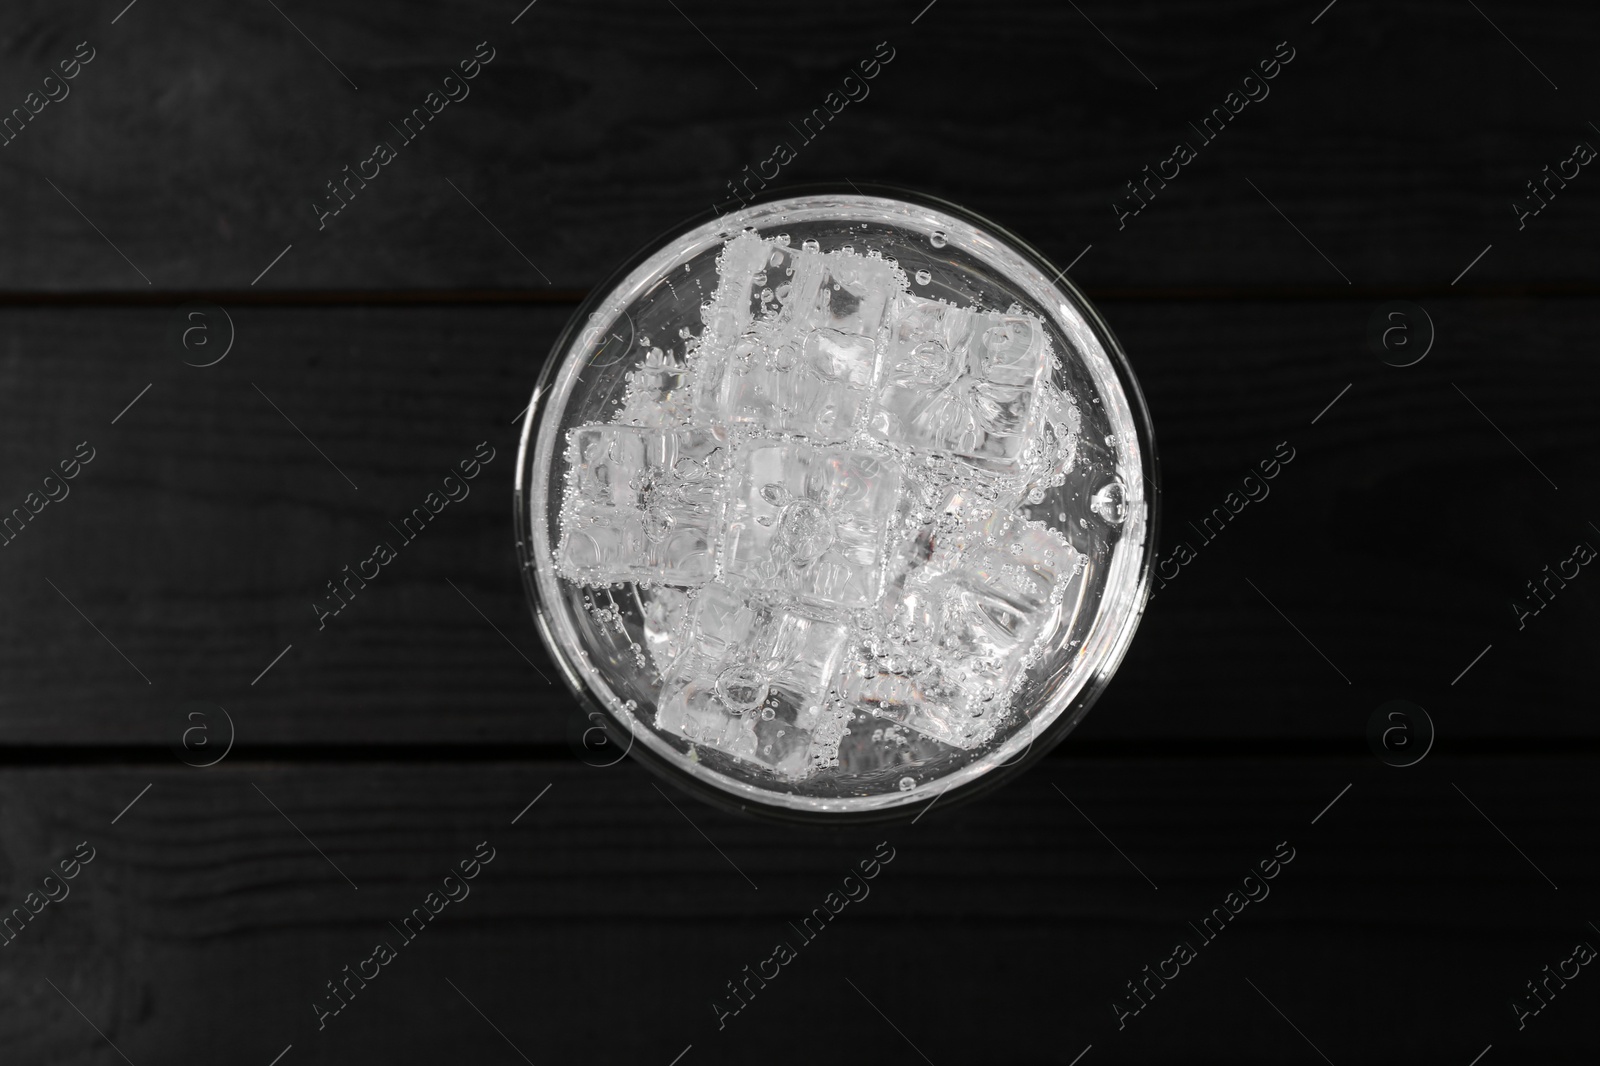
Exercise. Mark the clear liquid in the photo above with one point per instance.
(827, 529)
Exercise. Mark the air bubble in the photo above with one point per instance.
(923, 277)
(1110, 503)
(938, 240)
(741, 689)
(907, 784)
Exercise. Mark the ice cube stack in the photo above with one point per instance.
(823, 504)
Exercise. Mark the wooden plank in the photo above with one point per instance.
(191, 149)
(199, 537)
(217, 906)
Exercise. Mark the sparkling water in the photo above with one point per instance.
(642, 504)
(823, 502)
(960, 382)
(837, 502)
(755, 681)
(791, 341)
(803, 522)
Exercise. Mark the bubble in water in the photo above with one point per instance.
(768, 714)
(938, 240)
(805, 532)
(907, 784)
(923, 277)
(810, 245)
(741, 689)
(1110, 502)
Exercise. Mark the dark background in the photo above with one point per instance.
(379, 351)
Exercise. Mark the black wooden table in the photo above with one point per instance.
(231, 830)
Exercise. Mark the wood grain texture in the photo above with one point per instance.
(206, 925)
(195, 142)
(373, 354)
(206, 526)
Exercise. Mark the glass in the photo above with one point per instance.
(736, 506)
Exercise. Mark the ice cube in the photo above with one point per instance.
(976, 591)
(817, 385)
(964, 519)
(809, 521)
(876, 748)
(801, 354)
(756, 682)
(851, 293)
(742, 275)
(664, 611)
(755, 290)
(1000, 603)
(658, 391)
(641, 504)
(1053, 443)
(960, 381)
(927, 702)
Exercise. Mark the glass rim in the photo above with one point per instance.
(1062, 711)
